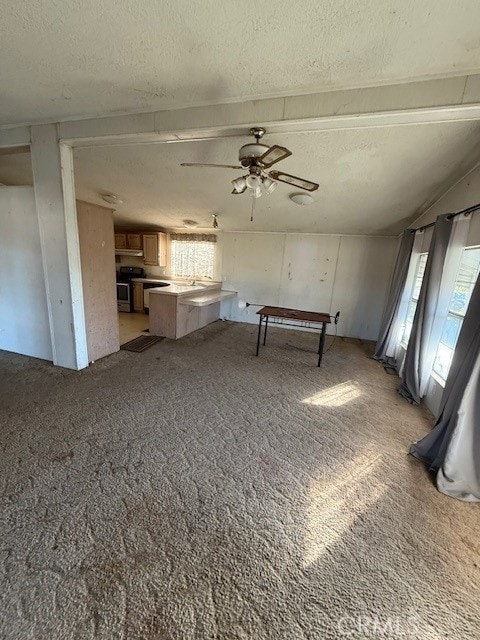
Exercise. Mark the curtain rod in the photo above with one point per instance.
(466, 212)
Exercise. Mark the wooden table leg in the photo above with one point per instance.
(321, 343)
(259, 333)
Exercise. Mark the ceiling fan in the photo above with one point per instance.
(257, 158)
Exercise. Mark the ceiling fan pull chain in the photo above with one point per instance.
(253, 208)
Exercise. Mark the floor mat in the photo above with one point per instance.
(141, 343)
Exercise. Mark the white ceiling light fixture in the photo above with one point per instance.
(111, 198)
(301, 199)
(190, 224)
(269, 185)
(239, 185)
(253, 181)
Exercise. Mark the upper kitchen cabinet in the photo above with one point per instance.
(120, 241)
(128, 241)
(134, 241)
(155, 249)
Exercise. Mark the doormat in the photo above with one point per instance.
(141, 343)
(390, 370)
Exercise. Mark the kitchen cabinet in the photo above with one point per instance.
(152, 243)
(155, 249)
(128, 241)
(134, 241)
(138, 296)
(120, 241)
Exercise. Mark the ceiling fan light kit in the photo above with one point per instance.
(269, 185)
(257, 158)
(253, 181)
(239, 185)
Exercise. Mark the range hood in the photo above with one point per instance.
(133, 253)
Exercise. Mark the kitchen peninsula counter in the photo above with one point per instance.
(181, 308)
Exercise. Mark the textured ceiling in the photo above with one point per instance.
(372, 181)
(72, 59)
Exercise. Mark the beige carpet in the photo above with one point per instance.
(195, 491)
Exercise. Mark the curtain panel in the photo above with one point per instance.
(390, 329)
(452, 448)
(448, 241)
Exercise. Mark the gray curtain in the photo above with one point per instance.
(418, 361)
(452, 448)
(388, 338)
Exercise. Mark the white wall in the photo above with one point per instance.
(312, 272)
(464, 194)
(24, 323)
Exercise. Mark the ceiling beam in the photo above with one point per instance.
(441, 100)
(10, 151)
(447, 100)
(14, 137)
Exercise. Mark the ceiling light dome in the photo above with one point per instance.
(301, 199)
(190, 224)
(111, 198)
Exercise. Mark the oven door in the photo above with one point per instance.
(124, 297)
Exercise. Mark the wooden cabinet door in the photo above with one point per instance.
(138, 296)
(134, 241)
(150, 248)
(120, 241)
(162, 249)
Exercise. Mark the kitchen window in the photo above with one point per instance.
(192, 255)
(462, 292)
(412, 305)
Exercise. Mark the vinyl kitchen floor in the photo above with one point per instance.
(132, 325)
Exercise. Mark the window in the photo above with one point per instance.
(412, 305)
(192, 255)
(462, 291)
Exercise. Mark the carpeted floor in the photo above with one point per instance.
(194, 491)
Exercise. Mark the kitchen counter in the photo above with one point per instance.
(180, 309)
(167, 287)
(206, 283)
(206, 298)
(177, 289)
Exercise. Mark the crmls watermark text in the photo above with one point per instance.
(374, 627)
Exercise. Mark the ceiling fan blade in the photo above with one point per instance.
(218, 166)
(293, 180)
(273, 155)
